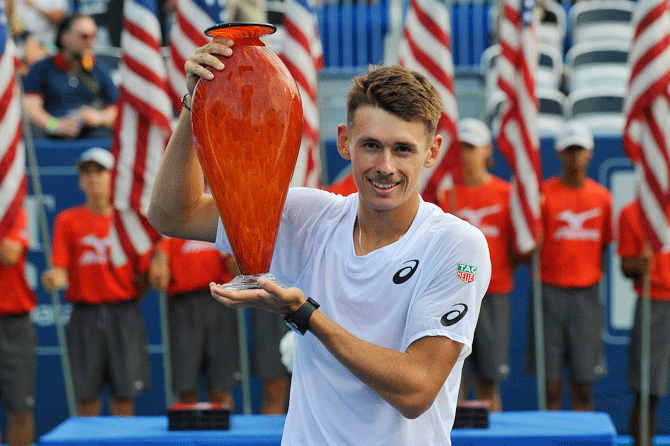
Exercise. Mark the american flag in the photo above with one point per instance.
(647, 107)
(302, 54)
(13, 182)
(143, 128)
(191, 19)
(518, 138)
(426, 48)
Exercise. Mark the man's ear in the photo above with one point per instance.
(343, 142)
(433, 151)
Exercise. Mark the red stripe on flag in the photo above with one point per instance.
(429, 24)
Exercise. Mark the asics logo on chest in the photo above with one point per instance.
(404, 274)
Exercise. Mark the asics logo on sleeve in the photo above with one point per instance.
(406, 272)
(454, 315)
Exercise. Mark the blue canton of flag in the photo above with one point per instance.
(216, 9)
(3, 29)
(527, 12)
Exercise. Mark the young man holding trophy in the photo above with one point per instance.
(383, 288)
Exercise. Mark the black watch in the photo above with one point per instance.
(298, 321)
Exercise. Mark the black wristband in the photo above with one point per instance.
(298, 321)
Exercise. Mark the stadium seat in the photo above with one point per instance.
(599, 63)
(551, 104)
(492, 110)
(599, 108)
(552, 27)
(549, 68)
(548, 75)
(488, 69)
(111, 56)
(601, 20)
(551, 107)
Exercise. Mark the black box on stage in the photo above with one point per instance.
(198, 416)
(472, 414)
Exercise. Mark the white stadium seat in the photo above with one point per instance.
(601, 20)
(600, 108)
(599, 63)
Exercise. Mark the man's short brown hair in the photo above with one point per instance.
(399, 91)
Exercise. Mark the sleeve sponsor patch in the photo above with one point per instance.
(466, 272)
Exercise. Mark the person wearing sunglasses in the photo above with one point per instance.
(71, 94)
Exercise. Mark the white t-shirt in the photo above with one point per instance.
(430, 282)
(36, 23)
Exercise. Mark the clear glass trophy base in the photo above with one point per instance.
(246, 282)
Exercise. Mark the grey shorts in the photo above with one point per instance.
(108, 344)
(490, 348)
(266, 332)
(659, 358)
(18, 342)
(573, 321)
(203, 342)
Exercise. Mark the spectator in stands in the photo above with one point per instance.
(39, 20)
(483, 200)
(576, 225)
(108, 16)
(247, 11)
(106, 337)
(71, 95)
(18, 339)
(637, 259)
(203, 333)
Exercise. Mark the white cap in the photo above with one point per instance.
(474, 132)
(97, 155)
(574, 133)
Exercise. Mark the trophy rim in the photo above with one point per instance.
(269, 28)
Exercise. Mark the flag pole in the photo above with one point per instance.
(244, 360)
(46, 244)
(539, 333)
(165, 333)
(644, 360)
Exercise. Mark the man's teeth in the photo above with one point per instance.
(382, 185)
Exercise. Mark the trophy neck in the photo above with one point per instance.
(241, 33)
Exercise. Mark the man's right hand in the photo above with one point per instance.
(200, 64)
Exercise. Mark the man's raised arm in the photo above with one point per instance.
(179, 205)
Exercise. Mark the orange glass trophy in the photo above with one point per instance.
(247, 128)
